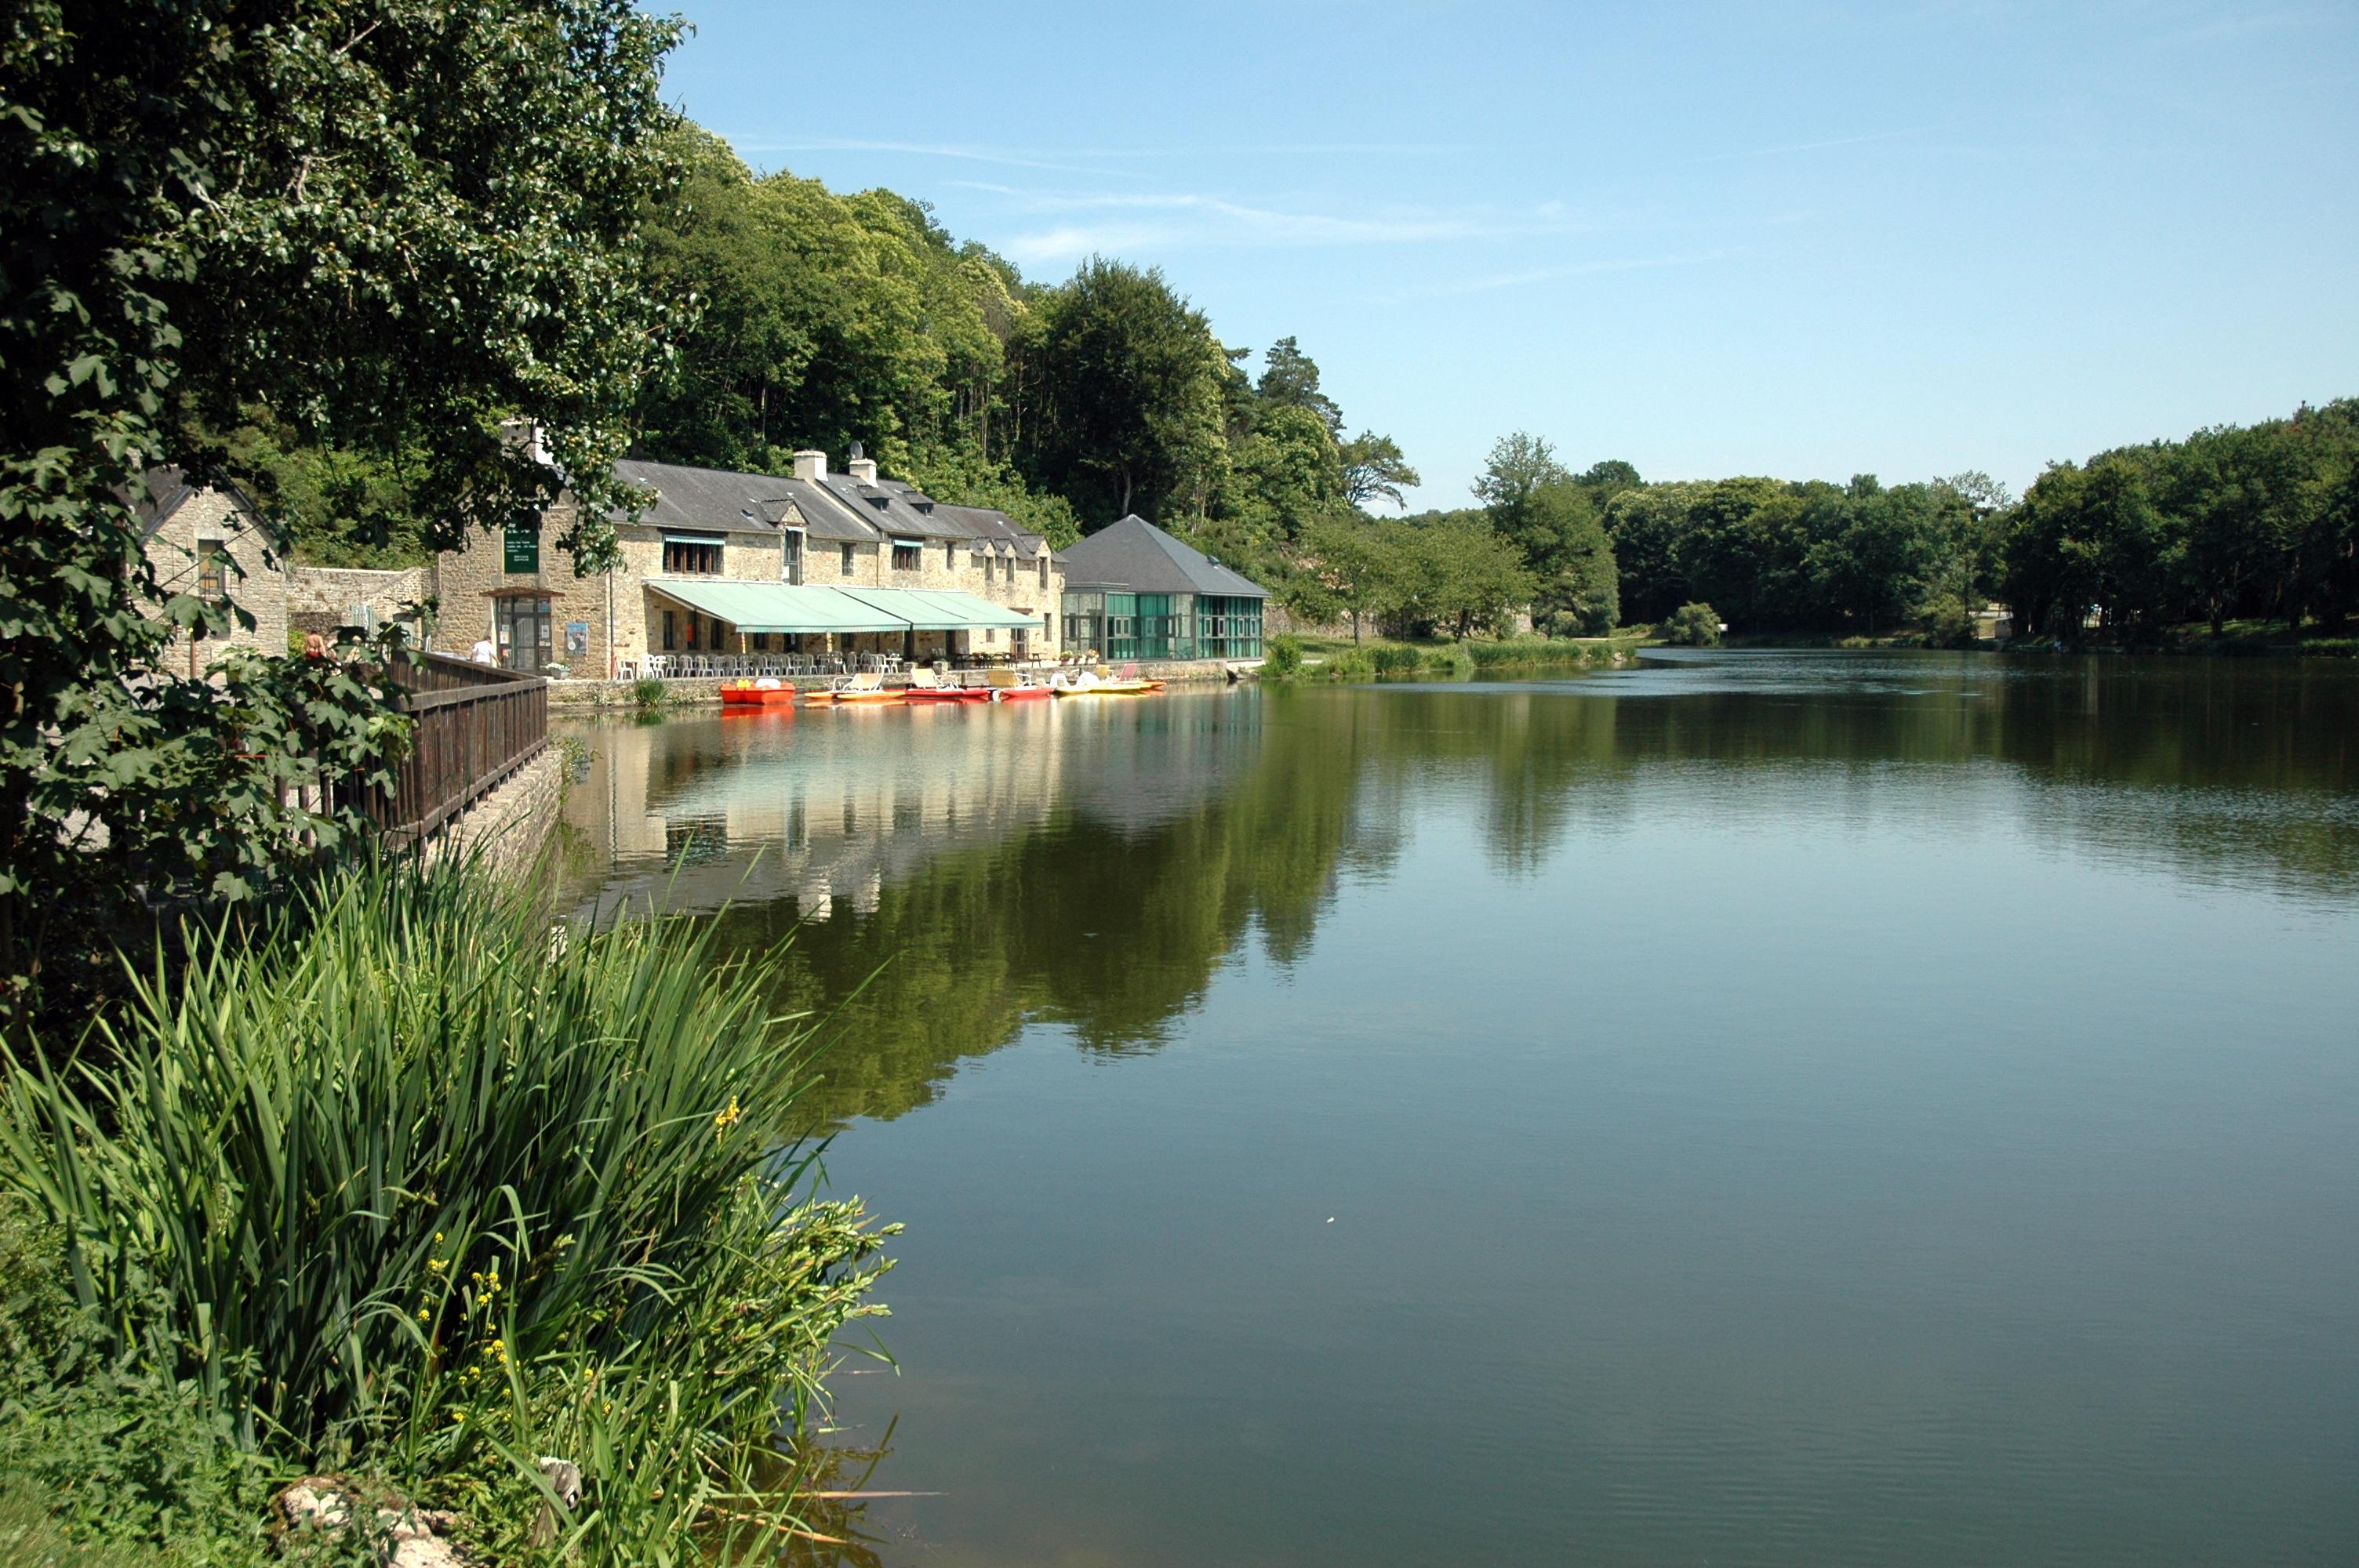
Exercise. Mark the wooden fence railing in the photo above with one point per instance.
(472, 726)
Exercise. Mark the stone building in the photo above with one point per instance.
(212, 542)
(735, 563)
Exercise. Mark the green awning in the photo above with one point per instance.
(778, 606)
(944, 609)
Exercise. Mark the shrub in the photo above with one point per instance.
(418, 1182)
(647, 694)
(1457, 661)
(1693, 626)
(1395, 659)
(1282, 657)
(1947, 622)
(1350, 664)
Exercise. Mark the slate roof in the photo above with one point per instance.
(837, 507)
(709, 500)
(164, 491)
(1136, 556)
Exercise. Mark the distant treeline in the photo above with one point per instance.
(801, 318)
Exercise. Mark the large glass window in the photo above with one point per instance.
(1228, 628)
(521, 622)
(1121, 626)
(692, 558)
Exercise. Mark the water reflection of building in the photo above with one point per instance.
(825, 810)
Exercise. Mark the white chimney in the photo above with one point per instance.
(810, 465)
(860, 466)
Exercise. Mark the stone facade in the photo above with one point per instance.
(324, 599)
(812, 528)
(211, 542)
(505, 829)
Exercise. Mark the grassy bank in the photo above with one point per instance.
(416, 1189)
(1339, 658)
(2235, 639)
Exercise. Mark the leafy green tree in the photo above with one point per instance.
(1289, 379)
(1553, 519)
(1354, 569)
(960, 477)
(1456, 573)
(1693, 626)
(1520, 466)
(320, 207)
(1375, 469)
(1291, 465)
(1874, 553)
(1129, 404)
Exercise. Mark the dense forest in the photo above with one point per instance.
(805, 317)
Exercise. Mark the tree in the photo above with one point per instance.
(1355, 567)
(1518, 468)
(323, 208)
(1289, 379)
(1553, 520)
(1453, 572)
(1289, 470)
(1693, 626)
(1130, 401)
(1375, 469)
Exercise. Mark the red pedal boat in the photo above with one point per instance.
(764, 693)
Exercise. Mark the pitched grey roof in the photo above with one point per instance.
(710, 499)
(164, 491)
(837, 507)
(1134, 553)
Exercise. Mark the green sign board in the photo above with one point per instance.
(520, 548)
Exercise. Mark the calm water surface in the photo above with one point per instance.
(1775, 1109)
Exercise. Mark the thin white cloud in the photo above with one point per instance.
(918, 149)
(1530, 276)
(2220, 29)
(1176, 218)
(1088, 160)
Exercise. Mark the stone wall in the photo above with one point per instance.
(507, 827)
(322, 598)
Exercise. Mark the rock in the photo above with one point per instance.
(405, 1536)
(564, 1479)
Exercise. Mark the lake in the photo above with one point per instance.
(1747, 1109)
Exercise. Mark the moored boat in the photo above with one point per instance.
(867, 689)
(764, 693)
(1007, 686)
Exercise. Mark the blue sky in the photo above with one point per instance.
(1806, 241)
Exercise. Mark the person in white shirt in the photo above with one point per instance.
(483, 653)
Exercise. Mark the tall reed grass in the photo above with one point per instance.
(420, 1183)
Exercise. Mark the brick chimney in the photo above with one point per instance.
(860, 466)
(810, 465)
